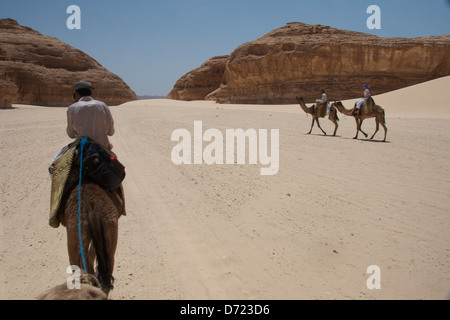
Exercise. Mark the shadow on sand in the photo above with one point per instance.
(347, 138)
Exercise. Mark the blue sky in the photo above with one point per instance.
(150, 44)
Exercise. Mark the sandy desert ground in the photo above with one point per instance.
(336, 206)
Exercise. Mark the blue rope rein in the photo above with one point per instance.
(82, 143)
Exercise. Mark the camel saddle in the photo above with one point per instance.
(321, 110)
(367, 107)
(63, 180)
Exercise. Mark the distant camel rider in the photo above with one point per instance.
(87, 118)
(366, 95)
(324, 98)
(323, 101)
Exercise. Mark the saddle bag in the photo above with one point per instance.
(102, 167)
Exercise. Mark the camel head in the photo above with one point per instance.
(336, 103)
(89, 290)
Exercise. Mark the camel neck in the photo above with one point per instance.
(304, 107)
(344, 110)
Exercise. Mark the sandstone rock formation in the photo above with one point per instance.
(42, 70)
(302, 60)
(198, 83)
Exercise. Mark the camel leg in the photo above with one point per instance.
(357, 128)
(112, 234)
(106, 268)
(312, 125)
(90, 258)
(377, 128)
(333, 118)
(73, 245)
(385, 130)
(336, 125)
(317, 119)
(360, 128)
(72, 248)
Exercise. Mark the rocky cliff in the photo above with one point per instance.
(198, 83)
(302, 60)
(42, 70)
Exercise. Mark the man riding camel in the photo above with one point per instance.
(324, 98)
(366, 95)
(321, 102)
(89, 123)
(87, 117)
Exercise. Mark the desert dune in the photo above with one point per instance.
(336, 206)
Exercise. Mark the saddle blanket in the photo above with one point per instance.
(322, 110)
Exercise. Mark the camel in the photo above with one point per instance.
(376, 112)
(313, 111)
(100, 212)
